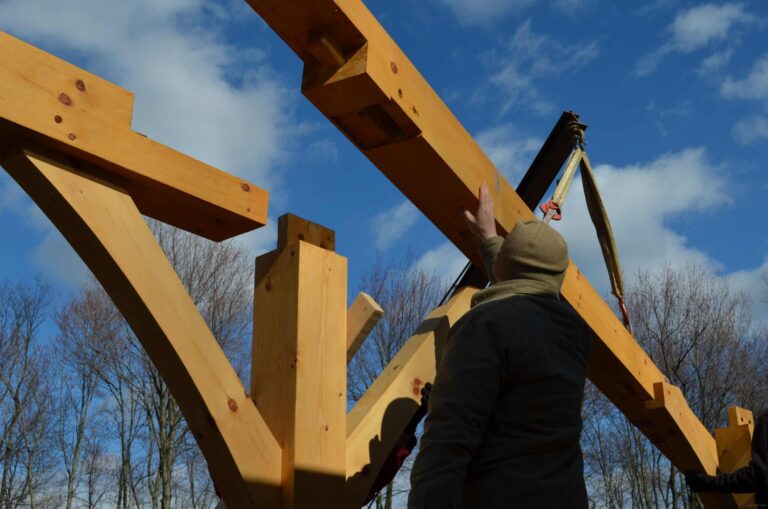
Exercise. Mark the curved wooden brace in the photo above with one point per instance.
(102, 223)
(379, 418)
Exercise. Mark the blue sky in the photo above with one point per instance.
(675, 94)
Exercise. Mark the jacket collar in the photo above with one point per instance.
(513, 287)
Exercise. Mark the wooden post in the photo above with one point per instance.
(380, 416)
(103, 225)
(734, 446)
(298, 379)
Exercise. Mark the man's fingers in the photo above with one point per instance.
(486, 200)
(469, 217)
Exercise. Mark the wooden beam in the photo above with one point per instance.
(49, 101)
(380, 416)
(106, 229)
(298, 378)
(734, 447)
(363, 315)
(380, 101)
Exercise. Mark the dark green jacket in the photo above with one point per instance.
(504, 417)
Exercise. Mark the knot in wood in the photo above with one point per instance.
(232, 404)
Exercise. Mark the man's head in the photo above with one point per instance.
(533, 250)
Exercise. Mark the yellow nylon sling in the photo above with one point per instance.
(552, 210)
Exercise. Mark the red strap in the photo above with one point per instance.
(550, 205)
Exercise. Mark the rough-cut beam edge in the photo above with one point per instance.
(58, 105)
(103, 225)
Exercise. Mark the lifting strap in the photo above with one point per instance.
(552, 211)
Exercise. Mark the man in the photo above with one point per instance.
(504, 417)
(750, 479)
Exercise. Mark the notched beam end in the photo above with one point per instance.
(292, 228)
(49, 102)
(362, 317)
(670, 419)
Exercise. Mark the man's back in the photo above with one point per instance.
(504, 422)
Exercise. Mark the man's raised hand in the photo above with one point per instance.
(483, 223)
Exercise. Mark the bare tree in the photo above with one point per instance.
(26, 466)
(86, 323)
(218, 277)
(699, 334)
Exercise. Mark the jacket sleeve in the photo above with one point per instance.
(749, 479)
(489, 250)
(463, 397)
(743, 480)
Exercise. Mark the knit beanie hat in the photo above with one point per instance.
(533, 250)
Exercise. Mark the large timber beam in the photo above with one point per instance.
(358, 77)
(103, 225)
(53, 103)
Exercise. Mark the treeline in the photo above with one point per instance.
(86, 421)
(85, 418)
(701, 335)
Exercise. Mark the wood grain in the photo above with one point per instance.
(53, 103)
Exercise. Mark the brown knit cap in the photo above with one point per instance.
(533, 250)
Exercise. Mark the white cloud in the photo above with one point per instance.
(751, 129)
(511, 152)
(484, 12)
(754, 284)
(57, 260)
(754, 86)
(700, 25)
(695, 29)
(12, 198)
(641, 199)
(530, 56)
(324, 150)
(445, 260)
(194, 91)
(716, 61)
(390, 225)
